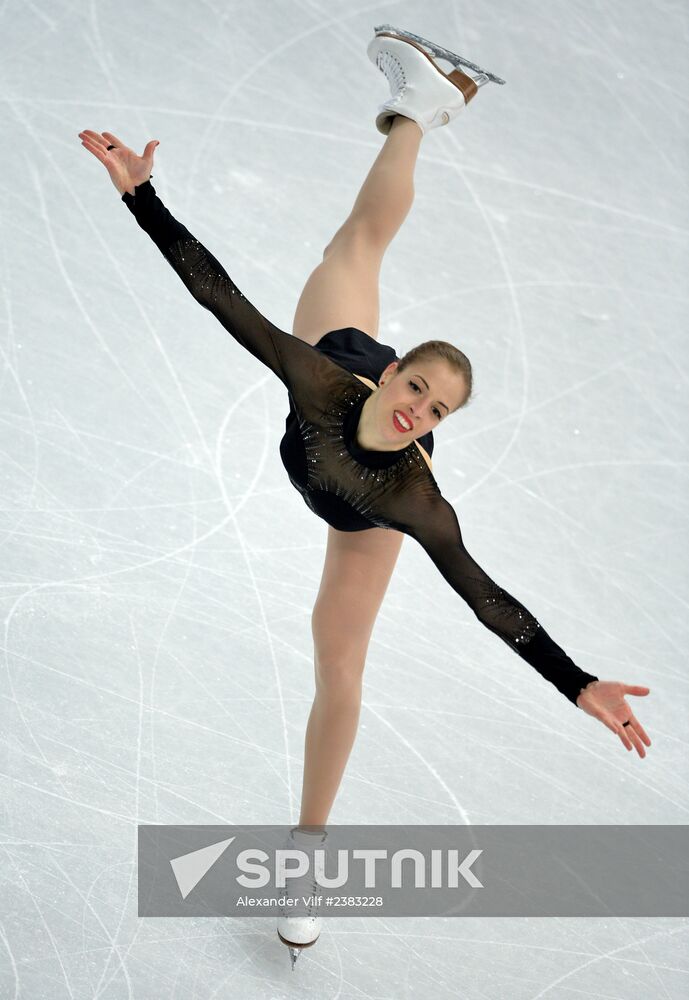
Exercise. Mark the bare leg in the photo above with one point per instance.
(330, 735)
(357, 570)
(343, 290)
(387, 194)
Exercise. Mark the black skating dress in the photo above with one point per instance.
(349, 487)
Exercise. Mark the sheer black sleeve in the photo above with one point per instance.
(295, 362)
(432, 521)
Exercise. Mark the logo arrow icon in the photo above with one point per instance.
(190, 868)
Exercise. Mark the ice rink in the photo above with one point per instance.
(158, 568)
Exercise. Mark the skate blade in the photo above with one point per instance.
(440, 52)
(295, 950)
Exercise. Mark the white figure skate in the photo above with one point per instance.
(299, 926)
(419, 88)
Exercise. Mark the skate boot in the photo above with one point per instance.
(299, 926)
(419, 88)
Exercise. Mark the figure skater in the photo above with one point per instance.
(359, 435)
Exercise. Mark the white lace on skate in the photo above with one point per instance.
(389, 64)
(304, 889)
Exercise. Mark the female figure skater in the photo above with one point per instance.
(359, 434)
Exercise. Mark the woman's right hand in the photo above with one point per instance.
(126, 169)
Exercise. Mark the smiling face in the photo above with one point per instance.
(425, 394)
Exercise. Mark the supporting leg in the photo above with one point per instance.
(357, 570)
(330, 735)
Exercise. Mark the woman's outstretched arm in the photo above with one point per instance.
(294, 361)
(432, 521)
(212, 287)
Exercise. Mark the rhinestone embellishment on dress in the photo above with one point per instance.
(356, 484)
(511, 617)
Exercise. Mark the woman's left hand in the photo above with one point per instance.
(604, 700)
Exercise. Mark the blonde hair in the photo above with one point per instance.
(440, 350)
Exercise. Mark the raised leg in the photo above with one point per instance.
(357, 570)
(343, 290)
